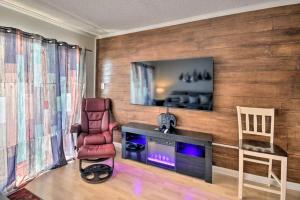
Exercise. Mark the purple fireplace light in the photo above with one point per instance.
(161, 159)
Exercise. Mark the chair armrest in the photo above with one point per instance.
(113, 126)
(75, 128)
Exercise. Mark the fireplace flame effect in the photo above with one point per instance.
(162, 159)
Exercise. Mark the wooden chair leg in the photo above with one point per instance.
(269, 173)
(241, 174)
(283, 178)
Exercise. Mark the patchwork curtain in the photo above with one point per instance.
(41, 84)
(142, 84)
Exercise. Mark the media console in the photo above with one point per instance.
(183, 151)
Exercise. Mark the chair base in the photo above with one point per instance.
(96, 173)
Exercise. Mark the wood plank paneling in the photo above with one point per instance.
(257, 64)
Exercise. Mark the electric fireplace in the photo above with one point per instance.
(183, 151)
(161, 152)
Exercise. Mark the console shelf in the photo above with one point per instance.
(183, 151)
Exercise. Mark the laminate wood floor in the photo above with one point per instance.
(132, 180)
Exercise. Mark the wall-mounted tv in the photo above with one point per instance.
(183, 83)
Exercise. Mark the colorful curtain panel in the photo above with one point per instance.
(40, 89)
(142, 84)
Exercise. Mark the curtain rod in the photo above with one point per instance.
(37, 36)
(89, 50)
(86, 49)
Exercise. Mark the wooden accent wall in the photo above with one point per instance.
(257, 64)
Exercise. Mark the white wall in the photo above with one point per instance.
(26, 23)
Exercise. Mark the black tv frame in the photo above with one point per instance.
(173, 107)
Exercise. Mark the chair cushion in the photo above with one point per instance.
(95, 115)
(96, 104)
(96, 151)
(94, 139)
(262, 147)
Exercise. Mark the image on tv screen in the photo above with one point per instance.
(184, 83)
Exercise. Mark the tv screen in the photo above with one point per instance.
(184, 83)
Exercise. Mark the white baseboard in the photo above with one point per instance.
(252, 177)
(235, 173)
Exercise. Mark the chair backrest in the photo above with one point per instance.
(95, 115)
(256, 121)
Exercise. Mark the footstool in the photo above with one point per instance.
(100, 172)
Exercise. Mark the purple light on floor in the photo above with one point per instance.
(161, 161)
(188, 196)
(138, 187)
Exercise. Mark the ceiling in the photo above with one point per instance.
(103, 18)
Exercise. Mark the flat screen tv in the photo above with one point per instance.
(183, 83)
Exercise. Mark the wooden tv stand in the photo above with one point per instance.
(183, 151)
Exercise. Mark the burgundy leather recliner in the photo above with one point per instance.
(95, 139)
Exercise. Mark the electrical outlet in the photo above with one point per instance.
(102, 86)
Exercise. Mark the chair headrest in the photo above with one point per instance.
(96, 104)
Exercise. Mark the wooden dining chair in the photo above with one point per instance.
(260, 122)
